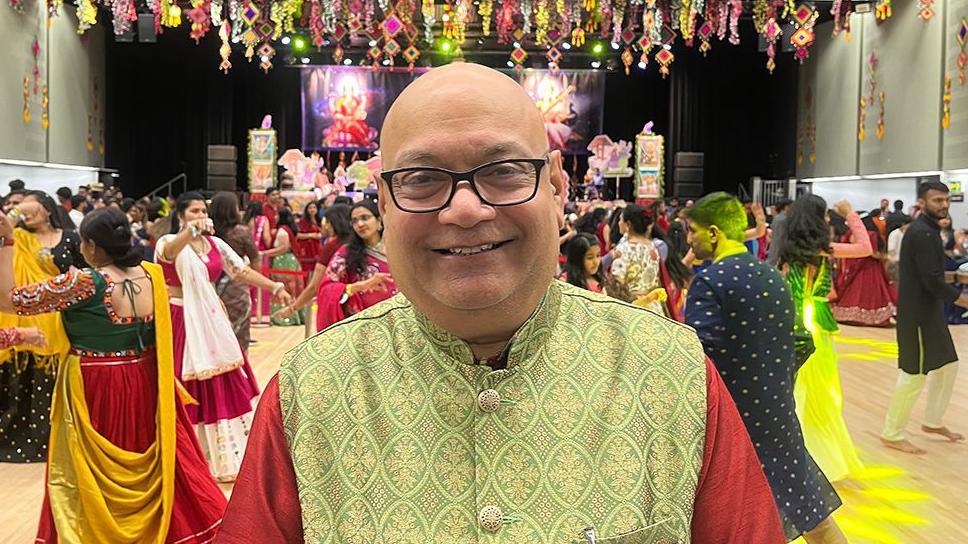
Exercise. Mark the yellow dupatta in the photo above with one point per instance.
(30, 268)
(98, 491)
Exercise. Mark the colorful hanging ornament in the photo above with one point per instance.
(201, 22)
(411, 54)
(880, 116)
(736, 9)
(35, 71)
(225, 50)
(266, 52)
(428, 11)
(26, 100)
(554, 58)
(518, 56)
(804, 36)
(884, 10)
(946, 103)
(771, 32)
(706, 32)
(16, 5)
(862, 121)
(44, 107)
(841, 10)
(926, 10)
(962, 37)
(665, 58)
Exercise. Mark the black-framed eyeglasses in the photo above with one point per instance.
(506, 182)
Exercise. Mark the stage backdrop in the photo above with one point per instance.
(344, 107)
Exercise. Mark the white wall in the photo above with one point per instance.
(866, 194)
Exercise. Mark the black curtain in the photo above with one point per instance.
(167, 101)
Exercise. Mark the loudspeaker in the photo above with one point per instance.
(222, 153)
(220, 183)
(687, 174)
(220, 174)
(146, 28)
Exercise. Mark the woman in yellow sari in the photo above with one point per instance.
(124, 465)
(45, 247)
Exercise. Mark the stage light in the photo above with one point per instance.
(305, 60)
(510, 64)
(566, 46)
(265, 58)
(386, 62)
(236, 39)
(642, 65)
(285, 40)
(615, 46)
(347, 62)
(598, 48)
(372, 43)
(596, 64)
(517, 45)
(298, 44)
(445, 46)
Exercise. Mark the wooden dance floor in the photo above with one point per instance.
(901, 499)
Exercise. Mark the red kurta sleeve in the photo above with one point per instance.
(734, 503)
(265, 501)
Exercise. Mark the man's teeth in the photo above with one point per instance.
(470, 250)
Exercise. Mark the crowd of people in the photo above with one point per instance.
(486, 387)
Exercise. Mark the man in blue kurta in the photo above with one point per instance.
(743, 313)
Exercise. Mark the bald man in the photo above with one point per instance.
(488, 402)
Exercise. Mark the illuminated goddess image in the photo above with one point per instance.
(347, 107)
(552, 95)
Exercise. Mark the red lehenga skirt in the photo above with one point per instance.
(121, 395)
(865, 294)
(223, 414)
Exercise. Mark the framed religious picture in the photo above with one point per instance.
(649, 153)
(262, 159)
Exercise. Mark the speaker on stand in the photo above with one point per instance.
(220, 172)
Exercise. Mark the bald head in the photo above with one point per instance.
(461, 103)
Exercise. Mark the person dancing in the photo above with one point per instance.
(804, 256)
(44, 248)
(336, 226)
(926, 353)
(214, 371)
(124, 464)
(744, 316)
(282, 257)
(234, 293)
(358, 276)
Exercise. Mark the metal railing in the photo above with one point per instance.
(168, 185)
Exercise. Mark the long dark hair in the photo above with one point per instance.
(286, 220)
(308, 218)
(574, 266)
(615, 233)
(806, 234)
(108, 229)
(254, 209)
(678, 246)
(356, 248)
(338, 217)
(184, 200)
(224, 211)
(56, 215)
(589, 222)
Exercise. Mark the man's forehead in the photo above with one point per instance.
(437, 152)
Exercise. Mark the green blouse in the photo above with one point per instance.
(83, 298)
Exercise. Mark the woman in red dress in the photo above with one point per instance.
(866, 296)
(308, 240)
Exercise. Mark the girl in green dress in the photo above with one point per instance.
(283, 258)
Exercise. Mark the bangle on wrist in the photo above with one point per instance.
(349, 289)
(6, 242)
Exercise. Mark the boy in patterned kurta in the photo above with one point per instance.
(744, 316)
(488, 402)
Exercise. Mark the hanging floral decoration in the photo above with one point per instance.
(26, 115)
(884, 10)
(946, 103)
(962, 37)
(400, 28)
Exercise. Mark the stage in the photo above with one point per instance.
(901, 499)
